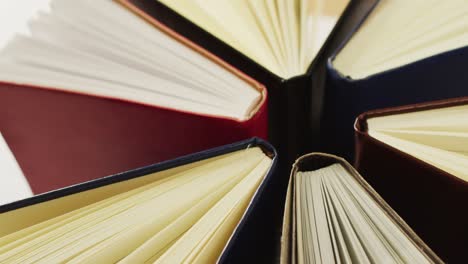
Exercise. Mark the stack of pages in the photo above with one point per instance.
(186, 211)
(333, 216)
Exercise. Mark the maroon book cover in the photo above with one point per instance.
(433, 202)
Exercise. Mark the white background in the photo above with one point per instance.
(14, 15)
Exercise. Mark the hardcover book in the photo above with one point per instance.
(210, 206)
(332, 215)
(415, 156)
(77, 104)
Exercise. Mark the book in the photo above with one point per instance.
(295, 100)
(14, 185)
(282, 36)
(205, 207)
(332, 215)
(415, 157)
(77, 104)
(402, 53)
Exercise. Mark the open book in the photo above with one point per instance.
(336, 217)
(282, 36)
(421, 151)
(100, 48)
(436, 136)
(180, 211)
(399, 32)
(103, 90)
(13, 184)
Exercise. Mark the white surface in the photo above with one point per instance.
(14, 15)
(13, 184)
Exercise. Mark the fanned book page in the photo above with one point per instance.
(338, 221)
(282, 36)
(438, 136)
(182, 217)
(399, 32)
(13, 184)
(100, 48)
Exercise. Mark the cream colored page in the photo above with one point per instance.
(13, 184)
(25, 235)
(356, 249)
(373, 33)
(145, 183)
(201, 232)
(288, 17)
(205, 166)
(273, 13)
(162, 239)
(440, 119)
(96, 239)
(87, 213)
(317, 20)
(437, 136)
(92, 217)
(29, 216)
(337, 233)
(124, 244)
(210, 251)
(400, 32)
(301, 246)
(79, 226)
(452, 162)
(423, 37)
(388, 232)
(309, 222)
(324, 242)
(445, 140)
(282, 36)
(360, 230)
(232, 22)
(266, 24)
(305, 11)
(66, 49)
(138, 225)
(284, 28)
(193, 10)
(376, 247)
